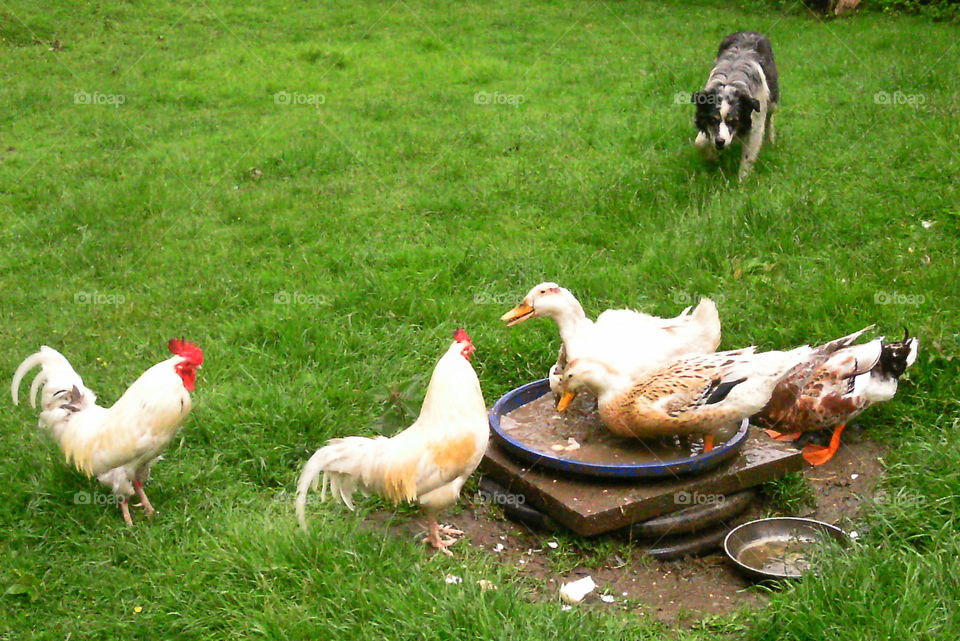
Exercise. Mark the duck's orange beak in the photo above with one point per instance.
(565, 401)
(518, 314)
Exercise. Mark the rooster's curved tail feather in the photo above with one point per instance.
(55, 379)
(352, 463)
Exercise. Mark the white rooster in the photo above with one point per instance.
(116, 444)
(428, 462)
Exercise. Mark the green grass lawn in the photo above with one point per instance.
(317, 194)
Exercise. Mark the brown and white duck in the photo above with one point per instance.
(707, 395)
(837, 382)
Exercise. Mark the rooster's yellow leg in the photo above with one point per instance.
(818, 455)
(144, 501)
(434, 539)
(125, 509)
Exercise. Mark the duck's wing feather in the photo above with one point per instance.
(821, 391)
(693, 382)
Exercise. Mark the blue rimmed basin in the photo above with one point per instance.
(686, 465)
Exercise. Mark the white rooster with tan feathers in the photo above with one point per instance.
(428, 462)
(117, 444)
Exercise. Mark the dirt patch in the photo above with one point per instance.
(668, 590)
(847, 481)
(676, 592)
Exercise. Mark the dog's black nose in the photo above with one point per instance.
(719, 144)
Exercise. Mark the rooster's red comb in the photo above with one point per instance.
(461, 336)
(186, 349)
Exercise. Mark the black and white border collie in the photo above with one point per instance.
(739, 99)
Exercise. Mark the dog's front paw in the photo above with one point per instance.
(707, 149)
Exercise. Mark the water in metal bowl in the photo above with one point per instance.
(780, 548)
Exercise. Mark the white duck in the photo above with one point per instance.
(630, 342)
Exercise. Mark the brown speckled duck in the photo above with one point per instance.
(707, 395)
(837, 382)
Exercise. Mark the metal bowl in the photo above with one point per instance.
(773, 548)
(662, 469)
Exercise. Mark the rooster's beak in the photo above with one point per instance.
(565, 401)
(518, 314)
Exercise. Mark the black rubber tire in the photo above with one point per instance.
(515, 510)
(694, 518)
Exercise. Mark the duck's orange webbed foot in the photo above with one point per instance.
(781, 436)
(818, 455)
(707, 443)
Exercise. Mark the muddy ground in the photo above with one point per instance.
(676, 592)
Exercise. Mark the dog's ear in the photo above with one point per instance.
(697, 97)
